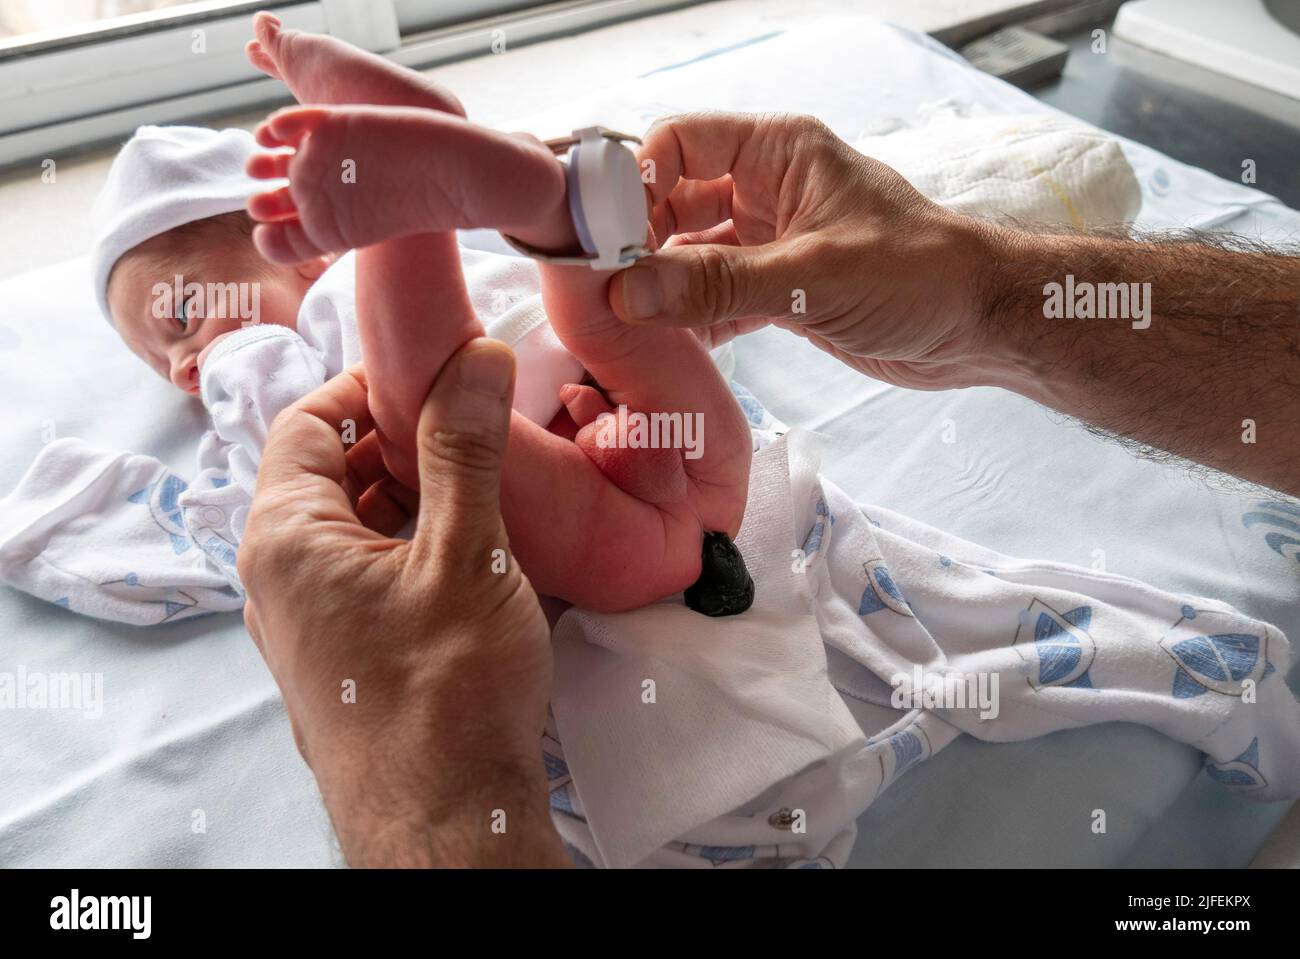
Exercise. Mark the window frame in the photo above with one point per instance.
(75, 91)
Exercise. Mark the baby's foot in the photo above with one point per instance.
(362, 174)
(323, 69)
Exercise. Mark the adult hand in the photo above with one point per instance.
(415, 673)
(769, 214)
(764, 215)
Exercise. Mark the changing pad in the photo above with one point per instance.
(192, 762)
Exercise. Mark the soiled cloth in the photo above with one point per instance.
(1030, 169)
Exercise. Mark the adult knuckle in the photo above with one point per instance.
(714, 282)
(787, 127)
(671, 121)
(250, 621)
(469, 449)
(801, 125)
(830, 252)
(812, 126)
(812, 139)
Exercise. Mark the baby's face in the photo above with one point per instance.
(174, 294)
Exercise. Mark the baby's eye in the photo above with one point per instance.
(187, 312)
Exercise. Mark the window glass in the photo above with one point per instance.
(26, 20)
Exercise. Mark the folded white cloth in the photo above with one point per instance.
(751, 701)
(103, 533)
(1033, 169)
(164, 177)
(922, 636)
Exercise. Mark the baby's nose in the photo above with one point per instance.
(185, 373)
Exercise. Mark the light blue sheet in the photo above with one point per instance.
(193, 723)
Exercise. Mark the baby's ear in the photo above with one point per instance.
(313, 268)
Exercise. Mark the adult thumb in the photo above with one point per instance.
(461, 443)
(703, 284)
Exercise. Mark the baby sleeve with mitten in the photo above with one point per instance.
(120, 536)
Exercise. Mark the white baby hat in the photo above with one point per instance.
(162, 178)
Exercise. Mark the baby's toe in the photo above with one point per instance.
(268, 166)
(285, 242)
(267, 29)
(274, 206)
(584, 403)
(290, 126)
(259, 58)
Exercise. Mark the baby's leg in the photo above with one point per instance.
(401, 286)
(322, 69)
(639, 534)
(654, 476)
(657, 370)
(457, 175)
(403, 349)
(408, 171)
(395, 183)
(580, 537)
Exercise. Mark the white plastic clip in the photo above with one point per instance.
(606, 200)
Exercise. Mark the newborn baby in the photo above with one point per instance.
(606, 528)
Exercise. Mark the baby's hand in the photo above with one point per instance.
(207, 350)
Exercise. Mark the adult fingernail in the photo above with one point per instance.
(487, 370)
(643, 294)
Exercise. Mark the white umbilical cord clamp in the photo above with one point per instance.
(606, 200)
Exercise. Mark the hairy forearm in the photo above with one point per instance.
(1203, 360)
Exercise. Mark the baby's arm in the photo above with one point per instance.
(246, 378)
